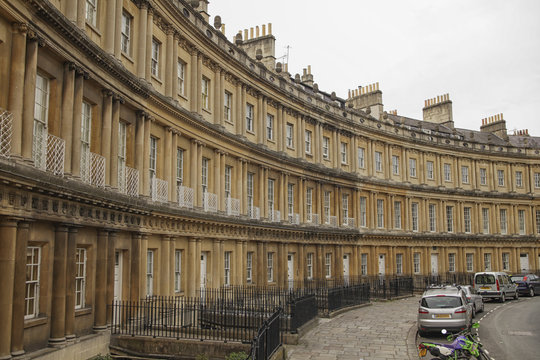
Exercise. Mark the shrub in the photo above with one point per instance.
(237, 356)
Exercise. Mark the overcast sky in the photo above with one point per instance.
(484, 53)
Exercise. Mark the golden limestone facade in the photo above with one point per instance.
(143, 153)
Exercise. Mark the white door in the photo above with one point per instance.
(524, 263)
(290, 270)
(203, 270)
(346, 268)
(434, 264)
(381, 265)
(117, 281)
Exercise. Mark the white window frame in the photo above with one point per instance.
(487, 262)
(538, 221)
(429, 170)
(447, 172)
(227, 106)
(33, 268)
(465, 174)
(269, 126)
(500, 177)
(412, 168)
(519, 179)
(399, 264)
(289, 131)
(86, 136)
(326, 207)
(503, 221)
(467, 220)
(363, 211)
(380, 213)
(469, 261)
(150, 272)
(344, 152)
(414, 216)
(416, 262)
(485, 220)
(378, 161)
(204, 175)
(345, 208)
(328, 265)
(397, 214)
(181, 77)
(125, 42)
(205, 93)
(395, 165)
(249, 117)
(521, 222)
(450, 219)
(483, 176)
(80, 278)
(227, 185)
(249, 191)
(153, 161)
(179, 166)
(451, 262)
(361, 157)
(537, 180)
(227, 268)
(249, 267)
(122, 141)
(309, 204)
(271, 204)
(364, 264)
(506, 261)
(326, 147)
(432, 213)
(290, 198)
(154, 62)
(270, 267)
(41, 120)
(91, 12)
(309, 264)
(307, 138)
(177, 271)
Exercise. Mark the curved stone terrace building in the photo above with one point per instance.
(143, 153)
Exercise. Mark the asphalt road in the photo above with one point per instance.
(512, 329)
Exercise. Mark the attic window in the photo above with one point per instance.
(209, 34)
(186, 13)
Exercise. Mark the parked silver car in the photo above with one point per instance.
(474, 298)
(444, 307)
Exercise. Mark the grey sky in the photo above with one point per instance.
(484, 53)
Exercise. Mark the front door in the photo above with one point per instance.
(117, 282)
(203, 270)
(524, 263)
(346, 268)
(382, 265)
(290, 270)
(434, 264)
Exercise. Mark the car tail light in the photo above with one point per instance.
(524, 278)
(498, 288)
(460, 311)
(422, 311)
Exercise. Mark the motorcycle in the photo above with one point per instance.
(464, 345)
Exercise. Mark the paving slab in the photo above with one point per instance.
(384, 330)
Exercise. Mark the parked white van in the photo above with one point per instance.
(495, 285)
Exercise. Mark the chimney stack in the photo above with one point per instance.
(260, 38)
(438, 110)
(367, 97)
(496, 125)
(307, 77)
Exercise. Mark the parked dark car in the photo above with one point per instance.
(528, 284)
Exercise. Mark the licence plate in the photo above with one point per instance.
(442, 316)
(485, 288)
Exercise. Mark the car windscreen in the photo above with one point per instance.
(517, 278)
(485, 279)
(441, 302)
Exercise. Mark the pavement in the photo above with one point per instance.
(385, 330)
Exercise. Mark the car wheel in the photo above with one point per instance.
(531, 292)
(502, 298)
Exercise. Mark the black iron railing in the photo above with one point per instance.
(268, 339)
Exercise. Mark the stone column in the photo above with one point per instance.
(198, 83)
(106, 131)
(168, 153)
(146, 158)
(71, 270)
(144, 263)
(110, 19)
(301, 200)
(193, 81)
(237, 112)
(76, 121)
(100, 319)
(16, 84)
(8, 252)
(17, 326)
(58, 309)
(242, 117)
(239, 189)
(217, 176)
(142, 45)
(192, 258)
(149, 38)
(67, 112)
(259, 121)
(279, 128)
(81, 14)
(169, 63)
(173, 188)
(221, 96)
(139, 147)
(166, 268)
(118, 30)
(198, 168)
(174, 74)
(370, 157)
(261, 190)
(113, 160)
(29, 95)
(135, 268)
(111, 259)
(218, 93)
